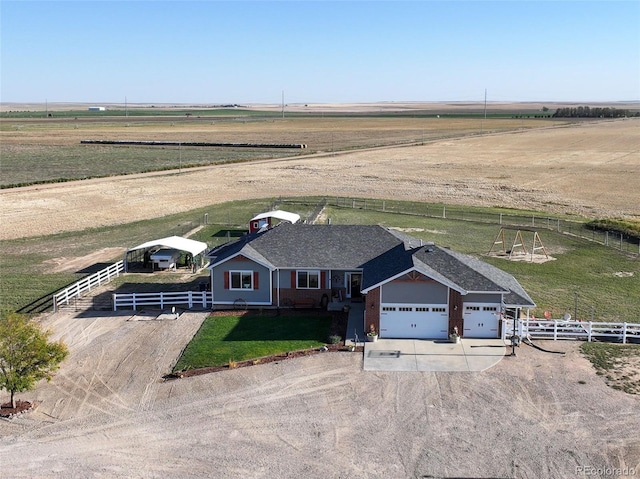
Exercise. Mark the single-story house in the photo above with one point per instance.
(410, 289)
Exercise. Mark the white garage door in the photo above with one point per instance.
(414, 321)
(481, 320)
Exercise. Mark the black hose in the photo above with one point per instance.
(530, 343)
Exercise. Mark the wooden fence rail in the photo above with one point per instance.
(562, 329)
(86, 284)
(190, 299)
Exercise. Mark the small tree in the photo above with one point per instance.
(26, 355)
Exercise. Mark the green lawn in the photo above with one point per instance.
(223, 339)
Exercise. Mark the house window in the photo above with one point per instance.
(241, 279)
(308, 280)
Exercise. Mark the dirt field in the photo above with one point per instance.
(108, 414)
(590, 169)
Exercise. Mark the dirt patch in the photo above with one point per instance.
(60, 265)
(623, 274)
(523, 257)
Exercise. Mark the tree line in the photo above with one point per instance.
(587, 112)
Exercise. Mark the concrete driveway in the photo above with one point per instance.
(433, 355)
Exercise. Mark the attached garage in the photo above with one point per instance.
(423, 321)
(481, 320)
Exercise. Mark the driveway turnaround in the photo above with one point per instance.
(433, 355)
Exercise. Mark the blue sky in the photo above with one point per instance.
(250, 52)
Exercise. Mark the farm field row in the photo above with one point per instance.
(43, 151)
(591, 170)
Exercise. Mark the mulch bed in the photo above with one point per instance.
(21, 407)
(338, 327)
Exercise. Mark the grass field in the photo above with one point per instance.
(588, 269)
(223, 340)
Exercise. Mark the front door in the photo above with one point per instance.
(354, 280)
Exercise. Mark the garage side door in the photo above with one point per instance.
(419, 321)
(481, 320)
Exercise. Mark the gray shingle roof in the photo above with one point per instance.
(379, 252)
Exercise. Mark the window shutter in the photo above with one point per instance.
(226, 280)
(294, 280)
(323, 279)
(255, 280)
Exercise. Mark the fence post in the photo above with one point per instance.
(113, 300)
(500, 218)
(133, 301)
(624, 333)
(190, 299)
(558, 225)
(444, 211)
(589, 331)
(555, 329)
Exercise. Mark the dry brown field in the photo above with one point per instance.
(590, 169)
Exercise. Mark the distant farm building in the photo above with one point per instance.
(265, 220)
(97, 108)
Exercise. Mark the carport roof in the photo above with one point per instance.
(176, 242)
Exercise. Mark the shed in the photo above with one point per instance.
(164, 253)
(265, 219)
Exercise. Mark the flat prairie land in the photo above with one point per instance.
(590, 169)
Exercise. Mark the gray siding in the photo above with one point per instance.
(482, 298)
(418, 292)
(260, 295)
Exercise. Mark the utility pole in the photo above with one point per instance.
(283, 104)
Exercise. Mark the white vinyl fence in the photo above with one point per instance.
(86, 284)
(562, 329)
(190, 299)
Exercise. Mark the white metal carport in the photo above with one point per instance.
(193, 247)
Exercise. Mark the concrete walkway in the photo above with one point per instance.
(355, 325)
(433, 355)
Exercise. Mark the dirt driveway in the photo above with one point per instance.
(108, 414)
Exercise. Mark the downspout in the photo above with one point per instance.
(278, 287)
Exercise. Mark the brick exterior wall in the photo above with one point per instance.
(455, 312)
(372, 310)
(289, 297)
